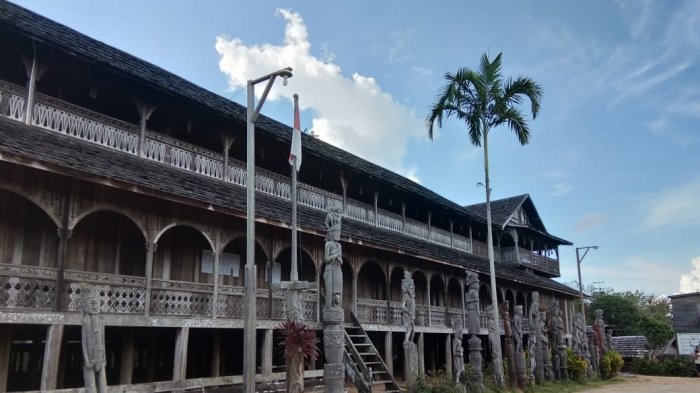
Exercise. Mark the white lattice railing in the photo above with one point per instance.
(11, 101)
(68, 119)
(372, 311)
(27, 287)
(118, 294)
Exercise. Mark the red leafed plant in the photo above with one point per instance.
(299, 343)
(298, 339)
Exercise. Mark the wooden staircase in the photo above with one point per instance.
(363, 365)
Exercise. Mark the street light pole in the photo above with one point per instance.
(249, 328)
(579, 259)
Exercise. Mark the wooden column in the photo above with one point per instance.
(354, 291)
(226, 140)
(448, 354)
(52, 355)
(215, 296)
(145, 112)
(180, 358)
(344, 186)
(127, 361)
(34, 72)
(216, 354)
(430, 305)
(452, 234)
(471, 241)
(403, 216)
(150, 251)
(5, 346)
(388, 352)
(421, 354)
(376, 208)
(266, 361)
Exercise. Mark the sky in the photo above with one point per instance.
(614, 156)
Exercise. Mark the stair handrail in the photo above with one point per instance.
(355, 322)
(351, 361)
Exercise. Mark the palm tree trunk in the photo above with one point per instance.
(496, 350)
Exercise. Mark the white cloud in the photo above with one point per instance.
(690, 282)
(590, 220)
(561, 189)
(350, 112)
(676, 207)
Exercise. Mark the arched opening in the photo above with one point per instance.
(372, 305)
(510, 297)
(421, 284)
(437, 291)
(183, 254)
(484, 297)
(520, 300)
(395, 294)
(232, 264)
(306, 268)
(371, 282)
(27, 234)
(107, 242)
(454, 294)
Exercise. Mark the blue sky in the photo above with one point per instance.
(614, 158)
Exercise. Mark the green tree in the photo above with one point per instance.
(618, 310)
(483, 100)
(657, 331)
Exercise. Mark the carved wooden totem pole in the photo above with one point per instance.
(510, 348)
(408, 318)
(534, 340)
(520, 367)
(93, 340)
(333, 333)
(474, 327)
(457, 353)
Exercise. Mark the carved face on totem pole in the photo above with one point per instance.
(91, 301)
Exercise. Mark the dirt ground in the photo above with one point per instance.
(649, 384)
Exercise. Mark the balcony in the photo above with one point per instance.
(64, 118)
(530, 259)
(34, 288)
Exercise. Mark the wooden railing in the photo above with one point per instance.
(531, 259)
(27, 287)
(68, 119)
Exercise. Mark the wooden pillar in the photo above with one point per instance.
(471, 241)
(5, 346)
(376, 208)
(127, 361)
(226, 140)
(388, 352)
(34, 72)
(344, 186)
(430, 305)
(421, 354)
(145, 112)
(354, 291)
(215, 296)
(52, 355)
(180, 358)
(452, 234)
(266, 361)
(150, 251)
(448, 354)
(403, 215)
(216, 354)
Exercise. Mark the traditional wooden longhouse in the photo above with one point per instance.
(119, 174)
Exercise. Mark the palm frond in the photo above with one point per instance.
(516, 122)
(520, 87)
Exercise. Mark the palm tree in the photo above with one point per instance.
(483, 101)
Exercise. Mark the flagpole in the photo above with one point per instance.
(294, 274)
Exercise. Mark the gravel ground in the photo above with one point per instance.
(649, 384)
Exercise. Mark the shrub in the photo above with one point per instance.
(610, 364)
(578, 366)
(676, 367)
(437, 383)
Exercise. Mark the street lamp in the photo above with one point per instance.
(249, 332)
(579, 259)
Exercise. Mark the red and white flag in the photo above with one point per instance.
(296, 137)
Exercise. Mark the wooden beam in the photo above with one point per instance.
(180, 358)
(52, 355)
(5, 346)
